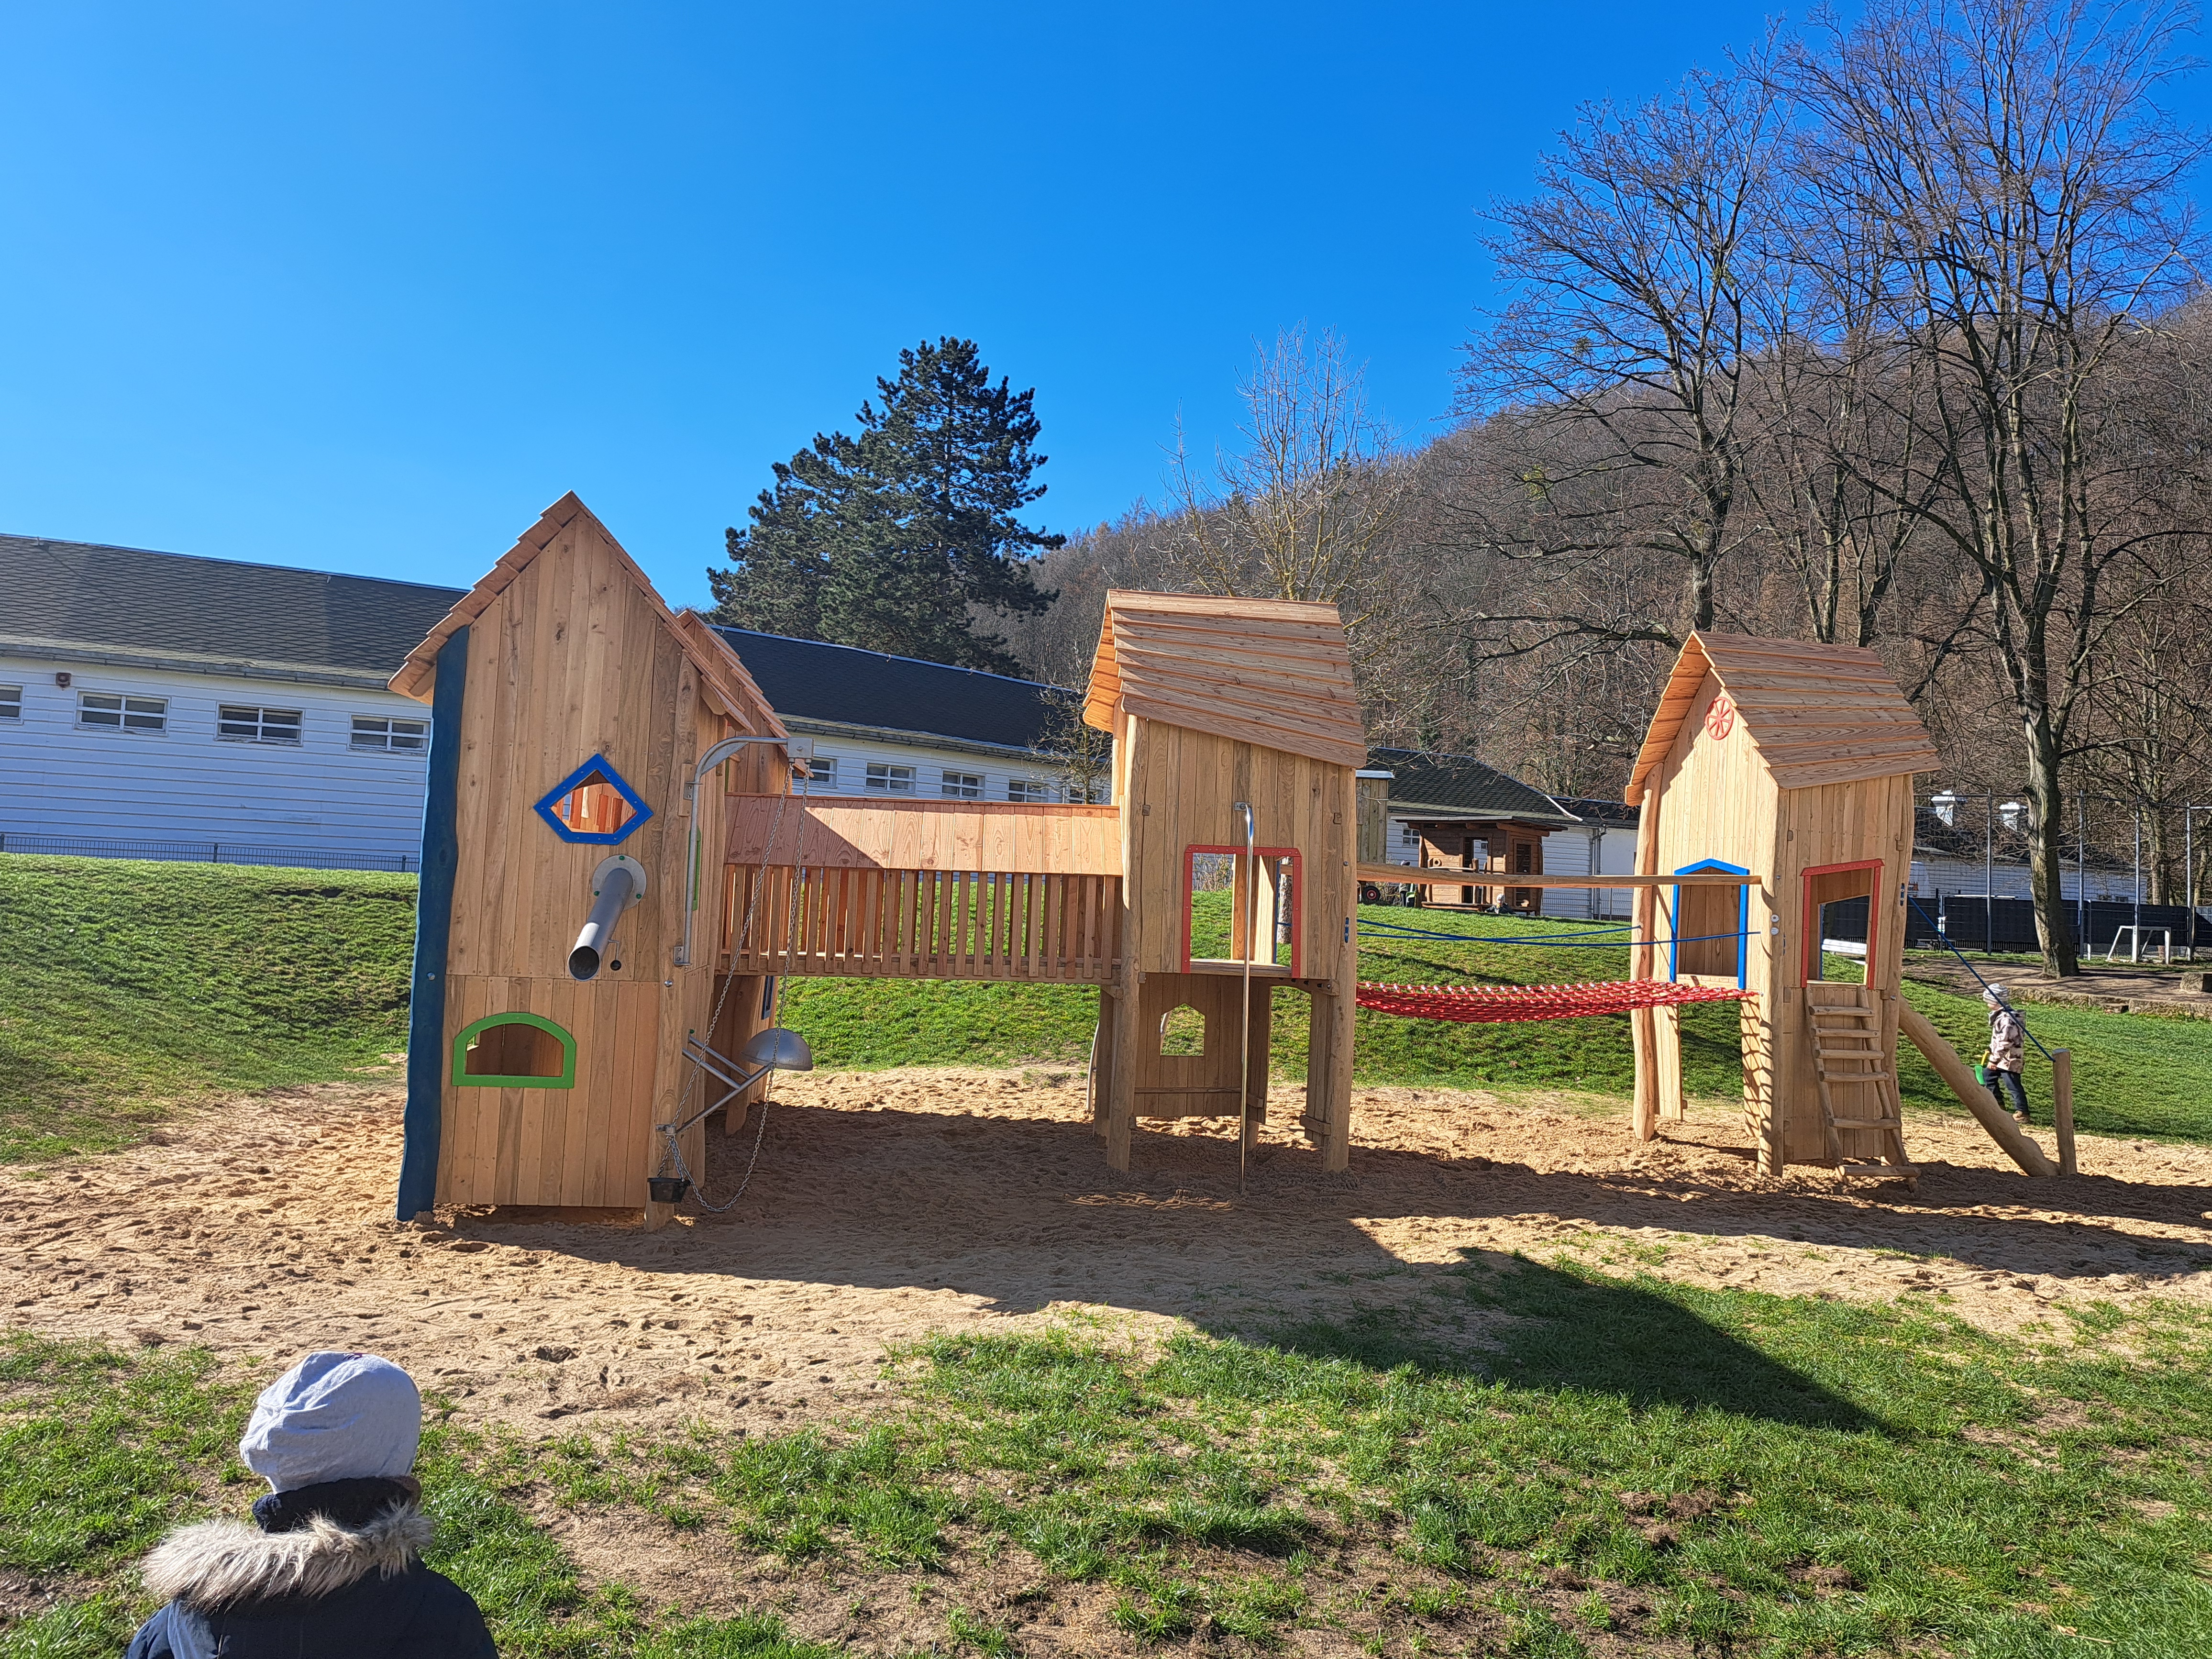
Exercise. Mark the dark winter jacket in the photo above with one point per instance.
(328, 1572)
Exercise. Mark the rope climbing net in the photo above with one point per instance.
(1506, 1003)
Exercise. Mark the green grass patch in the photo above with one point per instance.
(2132, 1076)
(148, 985)
(102, 1451)
(1712, 1471)
(135, 987)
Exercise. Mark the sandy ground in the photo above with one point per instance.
(890, 1205)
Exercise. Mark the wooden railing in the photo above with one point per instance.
(920, 924)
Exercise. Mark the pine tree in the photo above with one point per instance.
(896, 539)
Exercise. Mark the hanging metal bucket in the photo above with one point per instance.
(667, 1189)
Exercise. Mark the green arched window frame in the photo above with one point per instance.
(467, 1080)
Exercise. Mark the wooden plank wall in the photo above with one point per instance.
(1202, 1085)
(1716, 800)
(920, 924)
(1180, 793)
(862, 832)
(572, 660)
(1835, 823)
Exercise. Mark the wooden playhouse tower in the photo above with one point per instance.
(1792, 761)
(569, 710)
(1215, 705)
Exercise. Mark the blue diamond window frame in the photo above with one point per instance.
(599, 763)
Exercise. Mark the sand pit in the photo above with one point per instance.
(890, 1205)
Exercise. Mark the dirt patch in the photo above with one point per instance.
(2111, 988)
(891, 1205)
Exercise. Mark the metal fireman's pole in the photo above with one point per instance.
(1251, 944)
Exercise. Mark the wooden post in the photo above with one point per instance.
(1667, 1057)
(2062, 1107)
(1328, 1076)
(1120, 1096)
(1102, 1060)
(1642, 1024)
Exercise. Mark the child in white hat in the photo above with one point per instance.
(2007, 1052)
(332, 1563)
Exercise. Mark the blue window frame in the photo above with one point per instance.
(1743, 918)
(594, 794)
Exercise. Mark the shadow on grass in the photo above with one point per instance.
(1598, 1336)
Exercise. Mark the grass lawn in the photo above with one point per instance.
(1693, 1471)
(132, 987)
(145, 985)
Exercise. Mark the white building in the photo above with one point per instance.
(158, 706)
(1602, 843)
(1473, 816)
(896, 725)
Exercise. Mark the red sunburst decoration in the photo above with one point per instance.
(1720, 718)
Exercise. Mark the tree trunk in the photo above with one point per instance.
(2054, 920)
(2158, 856)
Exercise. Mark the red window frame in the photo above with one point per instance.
(1809, 956)
(1297, 899)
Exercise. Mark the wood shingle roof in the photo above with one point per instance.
(1269, 672)
(1819, 713)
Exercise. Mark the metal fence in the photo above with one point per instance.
(208, 852)
(1973, 922)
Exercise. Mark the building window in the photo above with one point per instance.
(11, 703)
(111, 711)
(390, 735)
(1029, 789)
(258, 724)
(965, 786)
(822, 779)
(891, 780)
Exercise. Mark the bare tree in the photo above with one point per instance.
(1638, 266)
(1314, 492)
(2029, 190)
(1081, 756)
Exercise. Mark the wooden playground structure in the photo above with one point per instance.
(598, 759)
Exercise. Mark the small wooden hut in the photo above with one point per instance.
(1794, 762)
(569, 710)
(1211, 703)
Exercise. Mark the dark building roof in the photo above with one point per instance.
(1461, 786)
(1599, 808)
(843, 685)
(78, 601)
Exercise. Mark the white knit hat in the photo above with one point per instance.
(334, 1416)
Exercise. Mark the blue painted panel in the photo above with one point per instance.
(433, 923)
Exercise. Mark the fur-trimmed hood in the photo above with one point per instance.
(221, 1563)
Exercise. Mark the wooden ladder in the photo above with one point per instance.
(1847, 1054)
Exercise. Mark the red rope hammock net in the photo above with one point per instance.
(1503, 1003)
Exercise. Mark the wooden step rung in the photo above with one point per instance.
(1867, 1123)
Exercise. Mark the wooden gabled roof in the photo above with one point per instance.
(724, 676)
(1270, 671)
(1819, 713)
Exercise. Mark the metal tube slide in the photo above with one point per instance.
(592, 942)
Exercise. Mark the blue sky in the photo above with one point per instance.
(363, 287)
